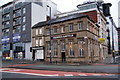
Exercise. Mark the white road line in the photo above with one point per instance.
(83, 75)
(68, 74)
(96, 75)
(109, 75)
(32, 73)
(4, 69)
(16, 70)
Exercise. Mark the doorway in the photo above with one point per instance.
(33, 56)
(63, 57)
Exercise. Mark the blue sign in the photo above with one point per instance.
(5, 39)
(16, 37)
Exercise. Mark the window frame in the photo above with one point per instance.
(36, 42)
(80, 26)
(55, 49)
(24, 27)
(81, 52)
(36, 31)
(71, 27)
(40, 42)
(24, 19)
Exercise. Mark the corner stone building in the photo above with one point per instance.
(75, 39)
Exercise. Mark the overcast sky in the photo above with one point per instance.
(68, 5)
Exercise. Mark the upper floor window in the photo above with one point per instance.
(17, 29)
(71, 27)
(24, 10)
(24, 19)
(81, 42)
(24, 27)
(40, 31)
(6, 32)
(80, 26)
(6, 24)
(17, 21)
(17, 13)
(55, 30)
(36, 42)
(47, 31)
(62, 29)
(18, 5)
(6, 10)
(88, 26)
(6, 17)
(36, 31)
(40, 42)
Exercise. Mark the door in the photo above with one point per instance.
(39, 55)
(63, 57)
(33, 56)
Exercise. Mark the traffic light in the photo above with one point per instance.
(11, 46)
(106, 9)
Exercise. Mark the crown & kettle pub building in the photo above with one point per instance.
(75, 38)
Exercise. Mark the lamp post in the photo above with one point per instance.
(50, 35)
(113, 54)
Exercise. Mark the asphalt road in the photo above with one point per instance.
(17, 76)
(82, 68)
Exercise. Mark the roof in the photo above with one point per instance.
(61, 19)
(6, 4)
(85, 4)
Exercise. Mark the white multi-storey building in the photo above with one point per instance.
(119, 14)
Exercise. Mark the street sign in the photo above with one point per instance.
(102, 40)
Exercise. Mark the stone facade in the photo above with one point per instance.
(75, 40)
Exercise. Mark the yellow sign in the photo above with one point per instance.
(102, 40)
(113, 50)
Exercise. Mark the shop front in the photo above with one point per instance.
(19, 50)
(38, 53)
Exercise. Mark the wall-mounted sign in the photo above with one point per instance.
(16, 37)
(5, 39)
(64, 36)
(102, 40)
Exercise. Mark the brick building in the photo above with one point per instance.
(75, 38)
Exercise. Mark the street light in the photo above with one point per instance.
(50, 35)
(113, 54)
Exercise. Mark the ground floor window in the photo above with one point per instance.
(5, 47)
(63, 46)
(81, 52)
(48, 48)
(55, 48)
(71, 51)
(71, 46)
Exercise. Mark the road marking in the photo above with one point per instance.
(68, 74)
(32, 73)
(83, 75)
(16, 70)
(96, 75)
(4, 69)
(50, 73)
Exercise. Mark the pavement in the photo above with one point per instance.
(89, 68)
